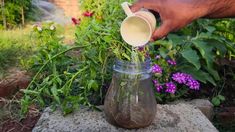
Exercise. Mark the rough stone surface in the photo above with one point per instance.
(169, 118)
(204, 105)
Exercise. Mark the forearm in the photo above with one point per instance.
(219, 8)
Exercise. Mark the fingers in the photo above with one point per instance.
(137, 6)
(161, 32)
(145, 4)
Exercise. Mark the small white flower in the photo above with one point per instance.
(52, 27)
(39, 28)
(34, 26)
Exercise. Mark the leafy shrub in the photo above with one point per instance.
(67, 81)
(83, 81)
(196, 53)
(13, 12)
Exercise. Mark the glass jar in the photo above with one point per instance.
(130, 102)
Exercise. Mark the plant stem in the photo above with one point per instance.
(48, 61)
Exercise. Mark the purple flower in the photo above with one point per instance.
(156, 69)
(158, 86)
(141, 49)
(157, 57)
(170, 87)
(171, 62)
(147, 55)
(180, 78)
(155, 82)
(188, 80)
(193, 84)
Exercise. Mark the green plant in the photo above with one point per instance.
(196, 53)
(52, 81)
(84, 78)
(12, 12)
(217, 100)
(70, 81)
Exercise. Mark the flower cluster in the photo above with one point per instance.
(158, 86)
(38, 27)
(88, 14)
(77, 21)
(156, 69)
(171, 62)
(193, 84)
(170, 88)
(188, 80)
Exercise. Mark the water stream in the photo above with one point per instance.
(51, 12)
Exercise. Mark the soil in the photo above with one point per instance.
(11, 120)
(224, 119)
(25, 125)
(9, 112)
(13, 82)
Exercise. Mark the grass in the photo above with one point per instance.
(17, 46)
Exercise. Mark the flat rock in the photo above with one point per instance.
(169, 118)
(204, 105)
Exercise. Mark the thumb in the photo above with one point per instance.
(137, 6)
(162, 31)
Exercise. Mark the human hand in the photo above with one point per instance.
(174, 14)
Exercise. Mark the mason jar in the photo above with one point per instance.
(130, 101)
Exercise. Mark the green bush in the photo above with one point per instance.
(68, 82)
(13, 12)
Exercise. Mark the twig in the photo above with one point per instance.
(11, 130)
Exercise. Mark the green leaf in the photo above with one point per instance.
(221, 97)
(206, 51)
(93, 73)
(191, 56)
(163, 52)
(210, 28)
(126, 56)
(123, 84)
(175, 38)
(93, 85)
(216, 101)
(220, 46)
(31, 92)
(100, 57)
(58, 80)
(214, 73)
(107, 39)
(55, 93)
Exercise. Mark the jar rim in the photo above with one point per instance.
(129, 67)
(147, 60)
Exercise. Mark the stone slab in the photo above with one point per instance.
(204, 105)
(169, 118)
